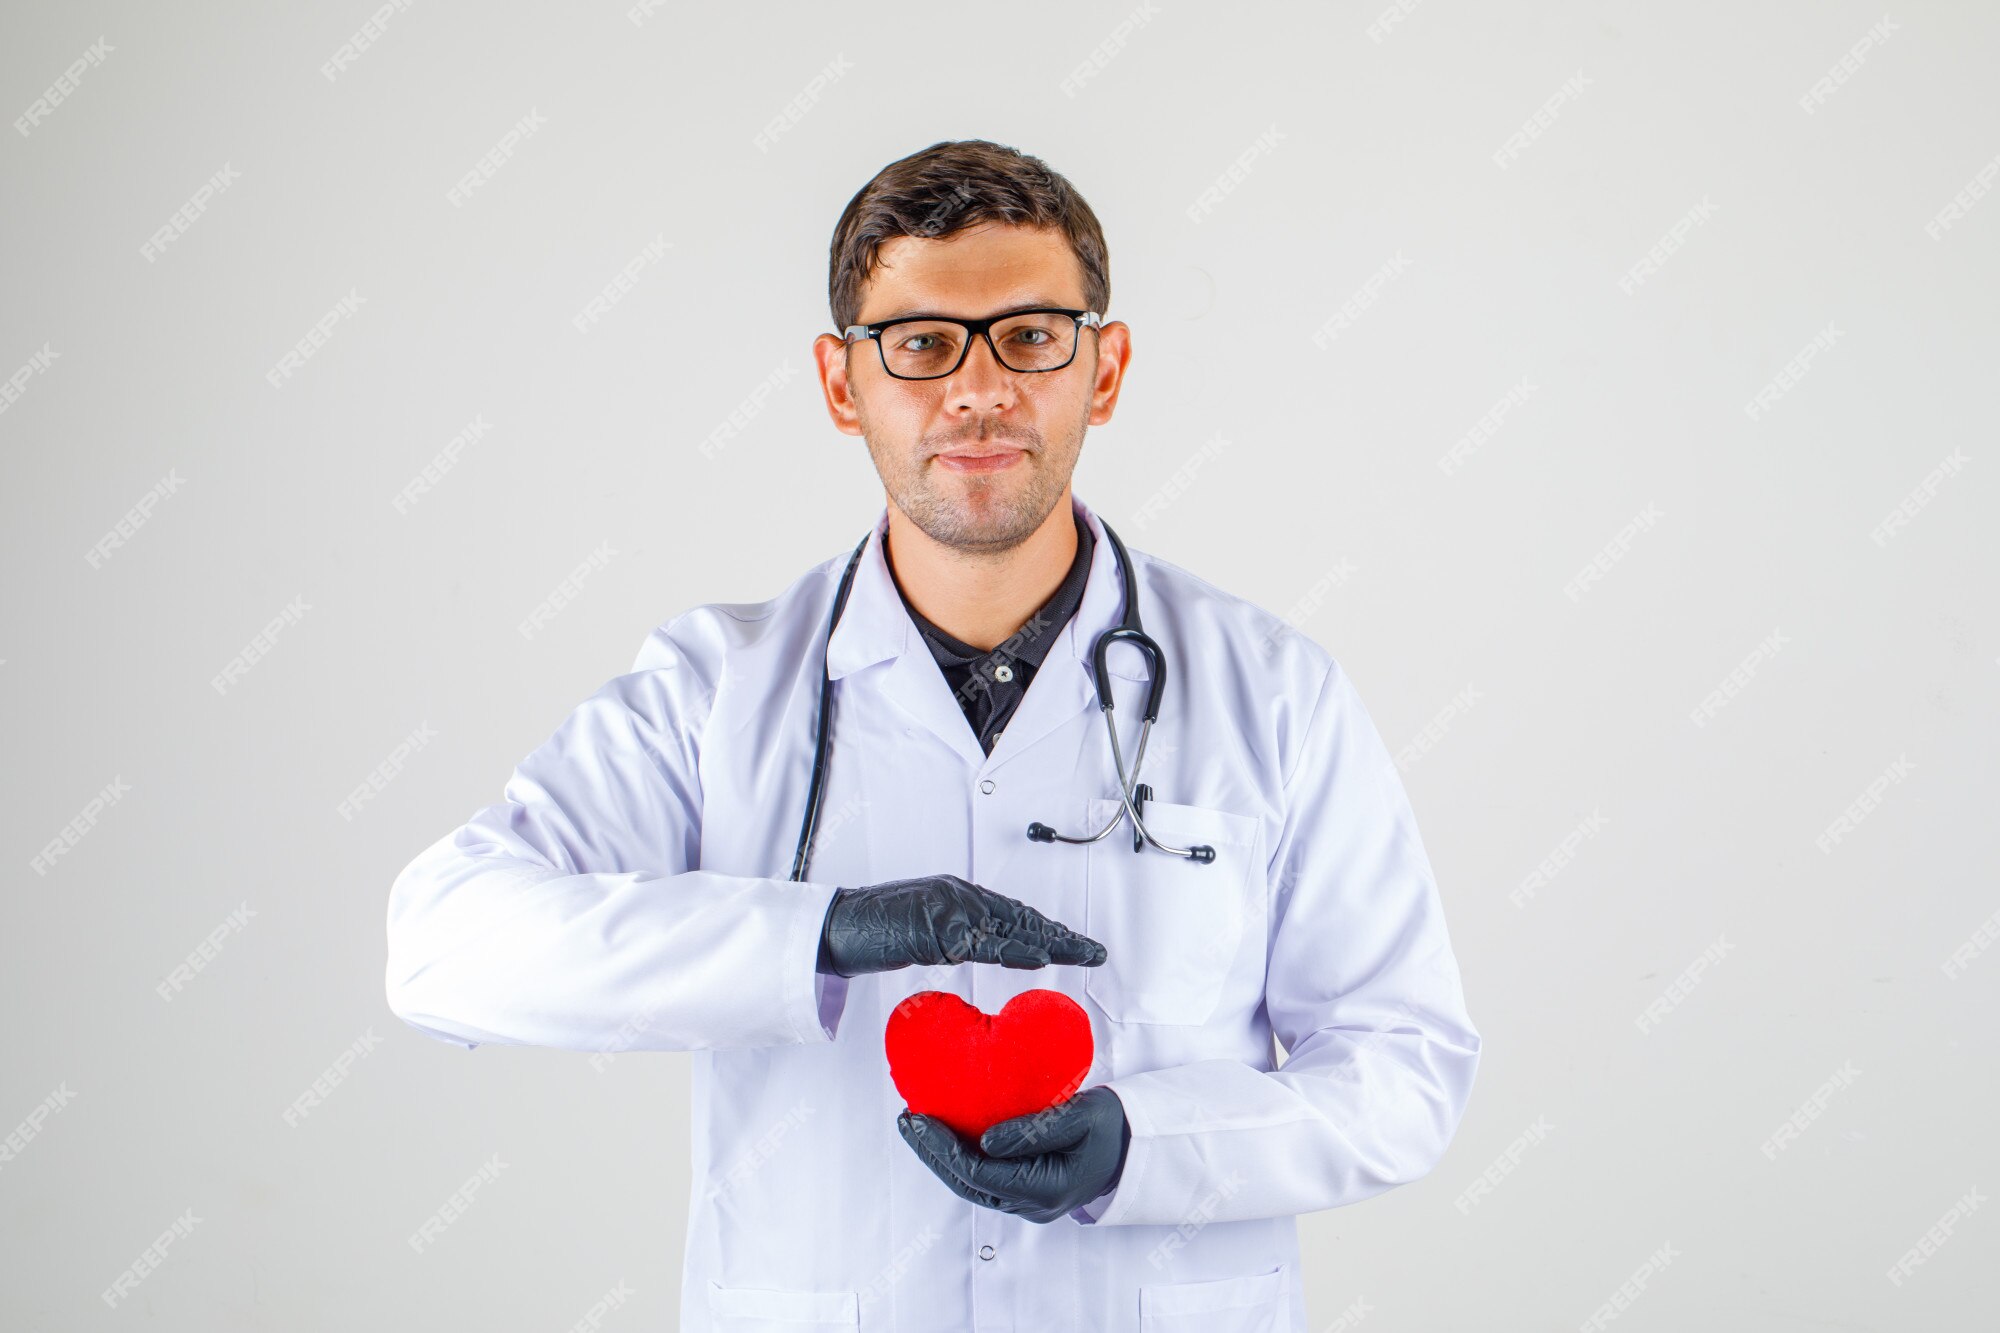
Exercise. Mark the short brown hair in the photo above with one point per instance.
(946, 188)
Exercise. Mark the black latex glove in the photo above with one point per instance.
(937, 919)
(1036, 1166)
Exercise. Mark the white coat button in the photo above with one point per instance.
(987, 786)
(986, 1251)
(1003, 673)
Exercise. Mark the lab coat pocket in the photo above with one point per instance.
(768, 1310)
(1171, 927)
(1257, 1303)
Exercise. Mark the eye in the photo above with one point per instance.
(1041, 333)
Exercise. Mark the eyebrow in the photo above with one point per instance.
(919, 312)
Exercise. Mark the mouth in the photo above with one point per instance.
(979, 460)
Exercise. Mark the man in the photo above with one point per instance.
(630, 893)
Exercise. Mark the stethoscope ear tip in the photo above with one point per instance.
(1040, 832)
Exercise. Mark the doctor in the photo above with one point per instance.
(633, 891)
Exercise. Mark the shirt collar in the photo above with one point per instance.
(1031, 642)
(875, 624)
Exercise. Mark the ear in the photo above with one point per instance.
(1114, 354)
(830, 354)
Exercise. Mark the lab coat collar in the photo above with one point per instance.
(875, 626)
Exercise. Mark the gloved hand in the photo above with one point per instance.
(1036, 1166)
(938, 919)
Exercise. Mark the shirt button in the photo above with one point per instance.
(1003, 673)
(986, 1251)
(987, 786)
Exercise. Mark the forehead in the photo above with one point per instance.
(993, 266)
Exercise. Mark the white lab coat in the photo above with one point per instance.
(631, 893)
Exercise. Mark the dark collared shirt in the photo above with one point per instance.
(989, 685)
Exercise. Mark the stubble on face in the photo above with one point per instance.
(976, 513)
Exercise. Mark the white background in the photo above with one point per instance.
(1304, 458)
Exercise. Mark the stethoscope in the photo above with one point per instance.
(1131, 797)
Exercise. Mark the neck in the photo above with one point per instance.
(981, 599)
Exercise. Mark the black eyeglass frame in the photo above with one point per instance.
(1085, 319)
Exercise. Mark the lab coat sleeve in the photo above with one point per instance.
(566, 915)
(1362, 989)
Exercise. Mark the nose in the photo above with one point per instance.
(980, 384)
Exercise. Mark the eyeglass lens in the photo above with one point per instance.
(923, 349)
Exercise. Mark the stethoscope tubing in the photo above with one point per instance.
(1128, 630)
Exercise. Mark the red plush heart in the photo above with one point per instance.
(972, 1069)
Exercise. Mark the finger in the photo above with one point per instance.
(1053, 1130)
(936, 1145)
(1012, 916)
(1009, 952)
(1004, 1185)
(1024, 922)
(1063, 944)
(934, 1140)
(985, 942)
(1080, 950)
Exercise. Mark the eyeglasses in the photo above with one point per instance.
(926, 347)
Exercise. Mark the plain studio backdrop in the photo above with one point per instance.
(1607, 387)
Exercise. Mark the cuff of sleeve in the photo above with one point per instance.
(1089, 1213)
(832, 1000)
(816, 998)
